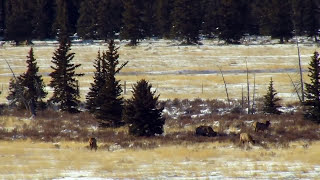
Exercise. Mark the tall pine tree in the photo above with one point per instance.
(99, 81)
(311, 16)
(312, 91)
(63, 77)
(87, 22)
(142, 113)
(271, 104)
(132, 23)
(109, 18)
(108, 102)
(31, 86)
(186, 21)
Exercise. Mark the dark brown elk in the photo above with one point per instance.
(261, 126)
(205, 131)
(246, 138)
(93, 143)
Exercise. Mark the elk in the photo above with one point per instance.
(205, 131)
(93, 143)
(261, 126)
(246, 138)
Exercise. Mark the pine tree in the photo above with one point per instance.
(311, 17)
(186, 21)
(87, 22)
(109, 18)
(41, 21)
(18, 21)
(61, 22)
(231, 24)
(281, 25)
(63, 77)
(109, 103)
(98, 83)
(30, 85)
(211, 18)
(142, 113)
(132, 23)
(163, 23)
(312, 91)
(271, 101)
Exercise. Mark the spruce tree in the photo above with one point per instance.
(186, 21)
(271, 101)
(30, 85)
(142, 113)
(132, 22)
(98, 82)
(311, 18)
(231, 24)
(109, 103)
(61, 22)
(211, 18)
(281, 24)
(312, 91)
(63, 77)
(41, 21)
(163, 23)
(18, 21)
(87, 22)
(109, 18)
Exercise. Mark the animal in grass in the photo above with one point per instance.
(261, 126)
(93, 143)
(246, 138)
(205, 131)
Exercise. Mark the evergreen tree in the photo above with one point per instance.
(163, 23)
(109, 103)
(231, 24)
(132, 23)
(61, 22)
(142, 113)
(297, 17)
(312, 91)
(2, 17)
(41, 21)
(99, 81)
(109, 18)
(311, 16)
(281, 25)
(87, 22)
(18, 21)
(30, 85)
(148, 17)
(211, 18)
(271, 101)
(63, 77)
(186, 21)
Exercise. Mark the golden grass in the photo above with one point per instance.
(43, 160)
(165, 57)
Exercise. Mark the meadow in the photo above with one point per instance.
(54, 144)
(177, 71)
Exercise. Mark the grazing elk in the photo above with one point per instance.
(246, 138)
(205, 131)
(93, 143)
(261, 126)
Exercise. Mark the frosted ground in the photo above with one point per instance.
(180, 71)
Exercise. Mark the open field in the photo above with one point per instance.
(179, 71)
(69, 160)
(54, 146)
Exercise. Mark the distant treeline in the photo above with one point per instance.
(134, 20)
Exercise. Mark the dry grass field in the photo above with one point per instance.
(179, 71)
(54, 144)
(37, 160)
